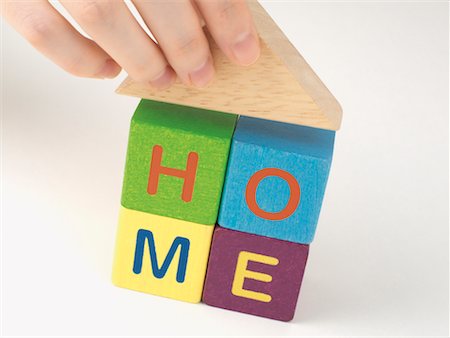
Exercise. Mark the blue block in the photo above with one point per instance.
(270, 164)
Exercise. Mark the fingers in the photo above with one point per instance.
(177, 28)
(231, 26)
(114, 28)
(53, 36)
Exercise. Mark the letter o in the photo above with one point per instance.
(294, 198)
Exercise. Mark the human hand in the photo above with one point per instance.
(118, 41)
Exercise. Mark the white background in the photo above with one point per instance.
(379, 264)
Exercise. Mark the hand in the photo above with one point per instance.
(119, 41)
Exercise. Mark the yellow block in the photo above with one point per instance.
(177, 266)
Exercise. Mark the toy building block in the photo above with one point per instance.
(276, 178)
(160, 255)
(176, 161)
(279, 86)
(254, 274)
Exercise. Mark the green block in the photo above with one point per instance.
(175, 131)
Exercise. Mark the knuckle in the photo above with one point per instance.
(228, 9)
(36, 28)
(145, 74)
(96, 11)
(188, 46)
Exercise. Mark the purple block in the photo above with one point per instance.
(236, 256)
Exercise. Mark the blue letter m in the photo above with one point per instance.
(181, 242)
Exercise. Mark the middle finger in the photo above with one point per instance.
(177, 28)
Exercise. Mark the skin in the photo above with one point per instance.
(118, 41)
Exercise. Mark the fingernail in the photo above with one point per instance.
(201, 76)
(110, 70)
(165, 79)
(246, 49)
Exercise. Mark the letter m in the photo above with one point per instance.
(159, 272)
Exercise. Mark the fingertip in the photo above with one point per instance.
(110, 70)
(202, 75)
(165, 79)
(246, 48)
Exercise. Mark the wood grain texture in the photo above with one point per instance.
(175, 133)
(165, 268)
(280, 86)
(285, 204)
(254, 274)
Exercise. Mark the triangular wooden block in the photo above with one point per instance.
(280, 86)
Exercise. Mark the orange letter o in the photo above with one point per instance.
(294, 198)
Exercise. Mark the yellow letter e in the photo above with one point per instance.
(241, 273)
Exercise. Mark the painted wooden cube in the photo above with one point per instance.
(161, 255)
(276, 178)
(254, 274)
(176, 161)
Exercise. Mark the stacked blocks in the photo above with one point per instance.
(251, 187)
(173, 181)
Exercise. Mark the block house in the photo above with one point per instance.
(223, 186)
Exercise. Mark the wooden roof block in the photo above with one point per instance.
(280, 86)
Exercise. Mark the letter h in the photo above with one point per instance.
(188, 175)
